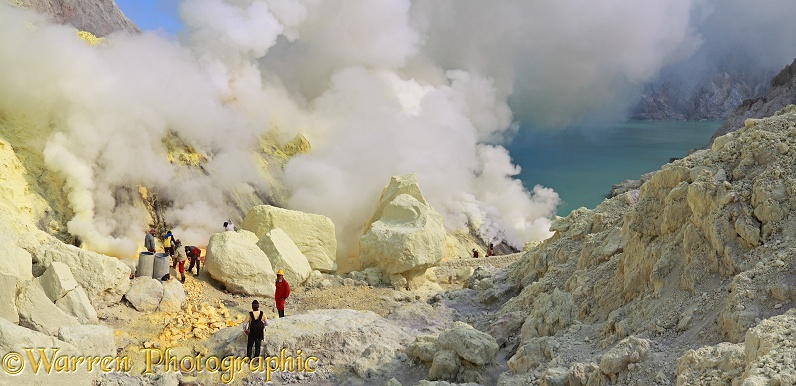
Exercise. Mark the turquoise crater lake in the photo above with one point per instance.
(581, 163)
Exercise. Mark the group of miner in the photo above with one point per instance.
(254, 327)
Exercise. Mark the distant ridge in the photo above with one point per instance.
(782, 93)
(100, 17)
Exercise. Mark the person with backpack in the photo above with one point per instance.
(255, 329)
(193, 254)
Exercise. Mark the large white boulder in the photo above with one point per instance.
(91, 340)
(629, 350)
(408, 238)
(173, 296)
(57, 280)
(15, 267)
(313, 234)
(237, 262)
(145, 294)
(8, 292)
(285, 255)
(470, 344)
(76, 303)
(444, 366)
(13, 255)
(37, 311)
(404, 184)
(16, 339)
(105, 279)
(333, 336)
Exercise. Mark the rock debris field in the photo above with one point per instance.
(687, 280)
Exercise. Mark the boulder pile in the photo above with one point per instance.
(197, 320)
(312, 234)
(456, 354)
(694, 262)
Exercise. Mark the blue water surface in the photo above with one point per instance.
(581, 163)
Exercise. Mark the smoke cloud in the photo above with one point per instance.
(379, 89)
(750, 41)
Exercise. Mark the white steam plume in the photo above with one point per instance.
(379, 88)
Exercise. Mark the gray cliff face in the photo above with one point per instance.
(100, 17)
(782, 93)
(714, 99)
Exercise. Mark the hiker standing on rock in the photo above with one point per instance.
(149, 241)
(255, 330)
(281, 293)
(229, 226)
(180, 259)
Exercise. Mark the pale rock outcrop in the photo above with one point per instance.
(8, 292)
(17, 339)
(556, 376)
(533, 355)
(334, 336)
(313, 234)
(145, 294)
(393, 382)
(425, 382)
(699, 254)
(779, 96)
(373, 276)
(57, 281)
(629, 350)
(765, 358)
(13, 255)
(37, 311)
(173, 296)
(444, 366)
(76, 303)
(407, 239)
(248, 236)
(374, 361)
(284, 254)
(91, 340)
(470, 344)
(551, 313)
(20, 207)
(15, 268)
(424, 347)
(456, 354)
(713, 364)
(404, 184)
(237, 262)
(105, 279)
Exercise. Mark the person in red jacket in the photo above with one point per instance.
(281, 293)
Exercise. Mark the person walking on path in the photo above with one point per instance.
(281, 293)
(149, 241)
(180, 259)
(255, 330)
